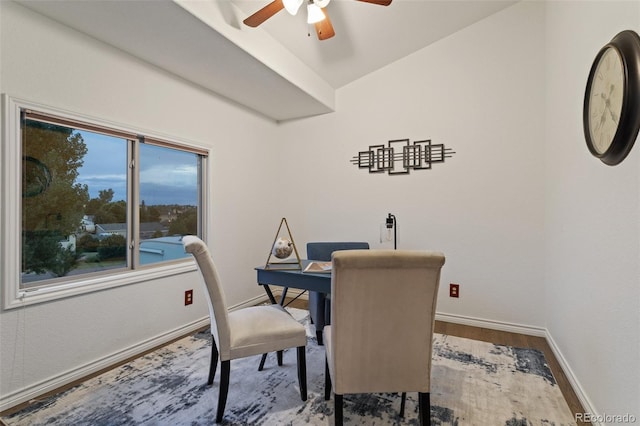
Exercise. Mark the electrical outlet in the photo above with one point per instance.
(188, 297)
(454, 290)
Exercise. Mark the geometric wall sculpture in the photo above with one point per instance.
(400, 156)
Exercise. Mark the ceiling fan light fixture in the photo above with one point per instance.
(292, 6)
(321, 3)
(314, 14)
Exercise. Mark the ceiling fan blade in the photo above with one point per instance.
(324, 29)
(265, 13)
(378, 2)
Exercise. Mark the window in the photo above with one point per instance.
(169, 201)
(95, 202)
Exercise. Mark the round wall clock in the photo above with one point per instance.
(611, 114)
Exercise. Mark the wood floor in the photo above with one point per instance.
(509, 339)
(476, 333)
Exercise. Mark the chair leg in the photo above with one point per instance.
(403, 399)
(338, 410)
(224, 389)
(214, 361)
(424, 408)
(338, 420)
(327, 381)
(262, 360)
(302, 372)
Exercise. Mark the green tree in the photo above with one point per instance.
(66, 260)
(87, 243)
(95, 205)
(149, 213)
(39, 250)
(106, 196)
(185, 223)
(114, 212)
(105, 210)
(57, 211)
(113, 247)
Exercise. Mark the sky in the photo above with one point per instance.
(167, 176)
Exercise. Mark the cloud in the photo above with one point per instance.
(180, 175)
(167, 176)
(154, 194)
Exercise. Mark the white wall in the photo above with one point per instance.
(478, 92)
(535, 230)
(592, 216)
(521, 210)
(47, 63)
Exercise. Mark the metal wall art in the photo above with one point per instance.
(400, 156)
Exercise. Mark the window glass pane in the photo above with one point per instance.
(73, 186)
(82, 206)
(168, 201)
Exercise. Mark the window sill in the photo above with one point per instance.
(46, 294)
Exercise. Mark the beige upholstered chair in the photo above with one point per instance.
(244, 332)
(382, 316)
(320, 303)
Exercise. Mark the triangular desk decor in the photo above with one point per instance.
(282, 248)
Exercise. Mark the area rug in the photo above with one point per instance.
(473, 383)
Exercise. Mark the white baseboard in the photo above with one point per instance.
(277, 292)
(36, 390)
(573, 381)
(530, 331)
(33, 392)
(492, 324)
(251, 302)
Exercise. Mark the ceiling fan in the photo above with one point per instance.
(316, 14)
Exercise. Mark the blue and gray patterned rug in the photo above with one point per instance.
(473, 383)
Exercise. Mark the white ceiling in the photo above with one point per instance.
(277, 69)
(369, 36)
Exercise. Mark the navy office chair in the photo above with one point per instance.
(320, 303)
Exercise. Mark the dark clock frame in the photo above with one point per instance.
(627, 43)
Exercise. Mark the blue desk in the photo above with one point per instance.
(292, 279)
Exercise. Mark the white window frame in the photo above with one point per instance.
(11, 222)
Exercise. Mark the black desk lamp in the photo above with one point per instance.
(391, 223)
